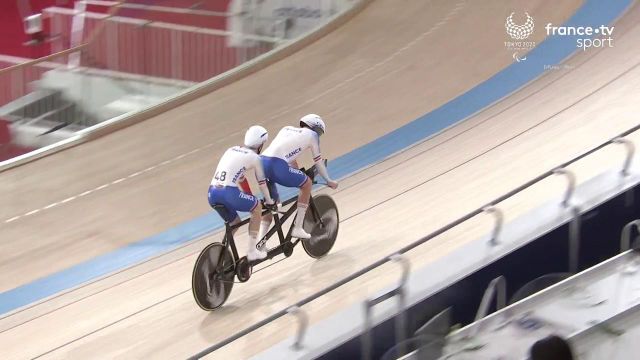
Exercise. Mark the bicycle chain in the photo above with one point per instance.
(253, 272)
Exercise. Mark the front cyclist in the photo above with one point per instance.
(233, 165)
(279, 161)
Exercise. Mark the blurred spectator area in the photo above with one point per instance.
(125, 63)
(8, 149)
(129, 48)
(210, 14)
(153, 48)
(12, 28)
(199, 13)
(104, 60)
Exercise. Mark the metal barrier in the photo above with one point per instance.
(625, 237)
(631, 150)
(303, 323)
(498, 214)
(571, 184)
(574, 238)
(498, 284)
(399, 292)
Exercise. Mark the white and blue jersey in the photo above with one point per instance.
(285, 149)
(233, 165)
(291, 142)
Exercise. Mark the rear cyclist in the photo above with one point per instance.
(224, 186)
(280, 166)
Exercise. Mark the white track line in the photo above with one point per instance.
(283, 111)
(114, 182)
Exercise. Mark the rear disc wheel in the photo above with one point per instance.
(212, 278)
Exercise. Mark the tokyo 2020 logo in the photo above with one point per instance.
(519, 32)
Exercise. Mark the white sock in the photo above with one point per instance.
(302, 210)
(264, 227)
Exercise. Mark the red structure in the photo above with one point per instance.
(9, 150)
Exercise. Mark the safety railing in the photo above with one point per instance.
(398, 292)
(487, 208)
(497, 288)
(625, 236)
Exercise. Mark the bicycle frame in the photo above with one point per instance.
(278, 221)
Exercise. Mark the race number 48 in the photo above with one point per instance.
(220, 176)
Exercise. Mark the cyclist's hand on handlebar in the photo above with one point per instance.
(271, 206)
(332, 184)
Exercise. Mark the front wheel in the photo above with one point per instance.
(212, 278)
(324, 231)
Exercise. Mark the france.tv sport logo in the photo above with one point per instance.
(586, 41)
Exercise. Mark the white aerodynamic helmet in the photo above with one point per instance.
(314, 122)
(255, 137)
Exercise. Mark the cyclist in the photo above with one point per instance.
(279, 162)
(233, 165)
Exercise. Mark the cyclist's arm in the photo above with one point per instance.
(262, 182)
(244, 185)
(317, 159)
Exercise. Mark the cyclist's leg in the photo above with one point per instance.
(267, 165)
(286, 175)
(305, 188)
(216, 196)
(267, 218)
(249, 203)
(303, 204)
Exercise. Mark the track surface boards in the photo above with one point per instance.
(148, 311)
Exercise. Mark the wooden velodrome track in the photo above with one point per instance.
(372, 75)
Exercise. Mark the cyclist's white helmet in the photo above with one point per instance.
(314, 122)
(255, 137)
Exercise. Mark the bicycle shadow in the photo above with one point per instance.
(265, 301)
(273, 298)
(338, 260)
